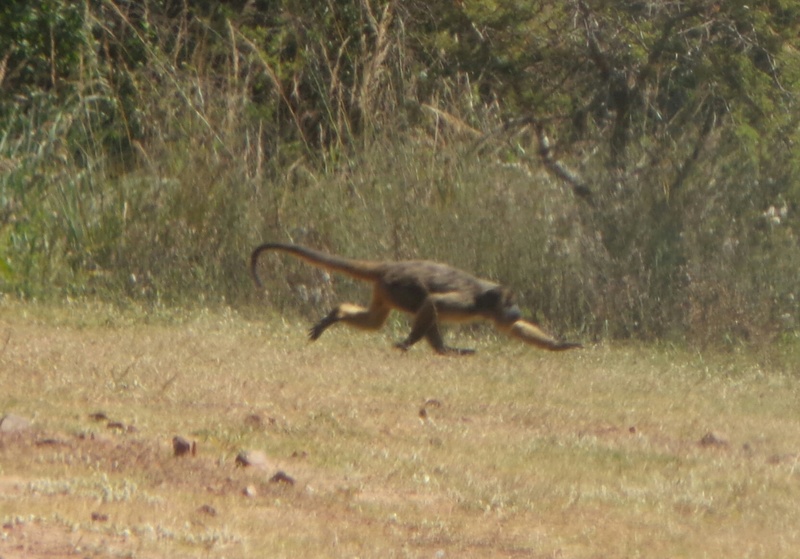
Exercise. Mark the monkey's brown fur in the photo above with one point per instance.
(433, 293)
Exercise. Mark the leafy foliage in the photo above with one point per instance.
(629, 167)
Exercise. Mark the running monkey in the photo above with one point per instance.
(432, 293)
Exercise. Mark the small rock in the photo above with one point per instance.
(781, 458)
(429, 403)
(258, 421)
(98, 416)
(207, 510)
(254, 421)
(182, 447)
(99, 517)
(282, 477)
(710, 439)
(13, 424)
(118, 425)
(250, 491)
(252, 458)
(50, 441)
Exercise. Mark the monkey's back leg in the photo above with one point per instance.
(426, 324)
(371, 318)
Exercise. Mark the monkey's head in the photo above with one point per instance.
(499, 305)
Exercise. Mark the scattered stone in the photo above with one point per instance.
(98, 416)
(776, 459)
(632, 429)
(207, 510)
(250, 491)
(182, 447)
(429, 403)
(257, 421)
(51, 442)
(282, 477)
(712, 440)
(252, 458)
(254, 421)
(14, 423)
(99, 517)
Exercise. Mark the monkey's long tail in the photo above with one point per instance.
(360, 269)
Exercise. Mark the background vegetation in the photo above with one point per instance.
(630, 168)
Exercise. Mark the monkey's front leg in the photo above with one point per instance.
(532, 334)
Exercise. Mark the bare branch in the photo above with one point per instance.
(545, 152)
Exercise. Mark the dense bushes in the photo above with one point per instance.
(146, 147)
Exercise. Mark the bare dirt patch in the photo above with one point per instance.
(35, 538)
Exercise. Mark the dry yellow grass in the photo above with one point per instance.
(519, 453)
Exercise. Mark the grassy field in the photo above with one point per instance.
(611, 451)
